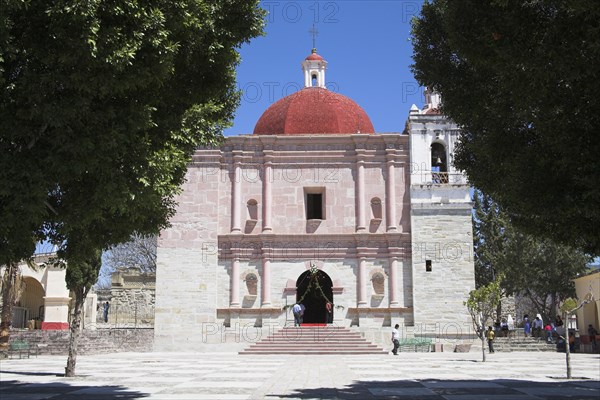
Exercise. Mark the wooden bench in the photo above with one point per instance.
(21, 347)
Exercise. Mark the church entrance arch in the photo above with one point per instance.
(314, 290)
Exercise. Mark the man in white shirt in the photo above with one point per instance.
(396, 339)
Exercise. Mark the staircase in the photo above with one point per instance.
(521, 343)
(314, 340)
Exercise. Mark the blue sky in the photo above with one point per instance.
(366, 45)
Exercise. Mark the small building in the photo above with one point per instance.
(44, 301)
(44, 297)
(587, 287)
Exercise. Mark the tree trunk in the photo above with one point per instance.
(483, 344)
(552, 314)
(75, 328)
(567, 344)
(499, 311)
(9, 297)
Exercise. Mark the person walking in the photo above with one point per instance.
(396, 339)
(490, 338)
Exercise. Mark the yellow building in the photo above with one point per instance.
(589, 313)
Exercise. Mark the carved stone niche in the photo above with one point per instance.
(378, 281)
(251, 284)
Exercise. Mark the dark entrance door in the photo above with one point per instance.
(313, 298)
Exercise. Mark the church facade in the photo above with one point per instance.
(317, 207)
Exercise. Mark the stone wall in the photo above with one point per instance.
(132, 299)
(98, 341)
(443, 272)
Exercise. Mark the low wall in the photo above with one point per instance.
(99, 341)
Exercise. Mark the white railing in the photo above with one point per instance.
(438, 178)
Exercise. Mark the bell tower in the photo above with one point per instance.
(441, 226)
(314, 67)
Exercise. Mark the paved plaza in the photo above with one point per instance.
(187, 376)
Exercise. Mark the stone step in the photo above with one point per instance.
(314, 345)
(523, 344)
(314, 340)
(315, 351)
(310, 342)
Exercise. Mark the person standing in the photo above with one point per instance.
(490, 338)
(329, 312)
(526, 325)
(548, 330)
(511, 325)
(105, 311)
(592, 334)
(537, 327)
(396, 339)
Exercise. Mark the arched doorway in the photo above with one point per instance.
(30, 304)
(314, 289)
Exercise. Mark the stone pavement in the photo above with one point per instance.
(222, 376)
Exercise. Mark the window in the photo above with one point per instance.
(314, 206)
(315, 203)
(428, 266)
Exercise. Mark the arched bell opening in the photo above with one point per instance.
(439, 163)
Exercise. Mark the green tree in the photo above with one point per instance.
(520, 77)
(489, 238)
(535, 268)
(482, 303)
(542, 271)
(102, 105)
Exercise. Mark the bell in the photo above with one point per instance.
(438, 161)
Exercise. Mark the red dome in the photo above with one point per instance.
(314, 57)
(314, 110)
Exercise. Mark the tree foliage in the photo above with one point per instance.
(520, 77)
(102, 105)
(138, 253)
(535, 268)
(482, 303)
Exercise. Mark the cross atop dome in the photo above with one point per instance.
(314, 32)
(314, 67)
